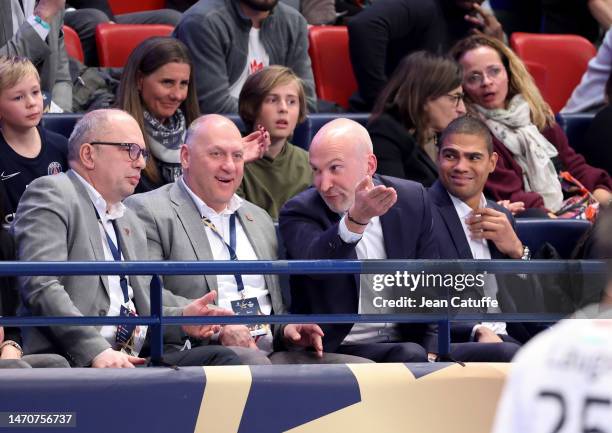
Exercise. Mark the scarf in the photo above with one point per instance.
(165, 139)
(531, 150)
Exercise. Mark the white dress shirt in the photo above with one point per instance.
(227, 289)
(370, 245)
(116, 211)
(480, 251)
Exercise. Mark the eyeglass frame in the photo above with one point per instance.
(128, 146)
(457, 98)
(492, 72)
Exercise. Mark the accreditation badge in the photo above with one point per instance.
(250, 307)
(129, 338)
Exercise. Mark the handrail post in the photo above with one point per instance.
(157, 334)
(444, 338)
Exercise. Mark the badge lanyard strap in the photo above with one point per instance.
(231, 247)
(116, 252)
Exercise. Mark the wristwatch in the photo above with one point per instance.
(526, 253)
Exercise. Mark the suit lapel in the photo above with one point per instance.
(124, 234)
(449, 215)
(495, 253)
(191, 220)
(91, 221)
(252, 231)
(391, 228)
(257, 240)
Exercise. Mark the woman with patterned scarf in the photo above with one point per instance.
(158, 89)
(536, 165)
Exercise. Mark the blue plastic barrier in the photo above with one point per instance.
(157, 320)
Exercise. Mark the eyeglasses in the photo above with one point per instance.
(477, 78)
(456, 98)
(134, 150)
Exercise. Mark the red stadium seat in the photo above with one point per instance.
(564, 57)
(116, 41)
(73, 44)
(331, 64)
(539, 74)
(119, 7)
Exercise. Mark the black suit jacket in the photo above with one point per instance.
(310, 231)
(453, 244)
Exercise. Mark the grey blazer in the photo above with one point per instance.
(56, 221)
(49, 56)
(175, 232)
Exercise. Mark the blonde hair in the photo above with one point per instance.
(519, 79)
(13, 69)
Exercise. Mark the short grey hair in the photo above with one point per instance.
(87, 129)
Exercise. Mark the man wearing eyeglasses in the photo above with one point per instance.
(79, 216)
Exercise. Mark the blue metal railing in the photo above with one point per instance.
(157, 320)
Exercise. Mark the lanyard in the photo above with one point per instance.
(231, 248)
(116, 252)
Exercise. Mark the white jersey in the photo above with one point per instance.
(561, 382)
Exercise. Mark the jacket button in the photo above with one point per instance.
(102, 313)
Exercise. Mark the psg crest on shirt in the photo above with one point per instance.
(54, 168)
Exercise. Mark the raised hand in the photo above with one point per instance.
(493, 225)
(204, 307)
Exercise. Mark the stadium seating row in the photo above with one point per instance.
(574, 125)
(562, 234)
(304, 132)
(556, 62)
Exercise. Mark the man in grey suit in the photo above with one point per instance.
(200, 217)
(78, 216)
(35, 32)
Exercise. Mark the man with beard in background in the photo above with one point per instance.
(231, 39)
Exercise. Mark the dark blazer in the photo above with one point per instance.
(56, 221)
(453, 244)
(310, 231)
(398, 152)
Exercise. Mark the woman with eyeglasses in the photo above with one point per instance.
(536, 165)
(158, 89)
(422, 97)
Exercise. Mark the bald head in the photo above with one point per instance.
(353, 136)
(209, 127)
(213, 160)
(341, 156)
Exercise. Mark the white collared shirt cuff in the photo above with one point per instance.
(473, 333)
(498, 327)
(345, 234)
(38, 27)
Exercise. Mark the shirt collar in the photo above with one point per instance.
(206, 211)
(115, 211)
(463, 210)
